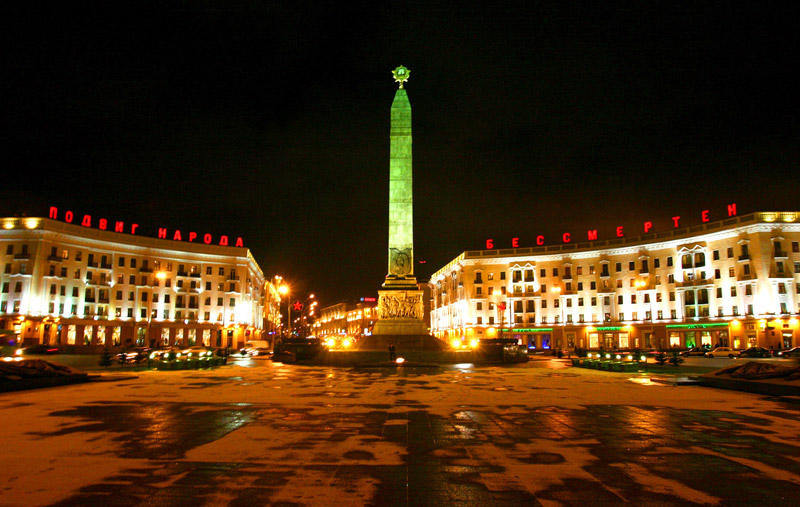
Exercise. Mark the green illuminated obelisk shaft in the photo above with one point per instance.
(401, 212)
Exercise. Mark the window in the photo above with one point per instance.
(717, 274)
(580, 285)
(699, 259)
(479, 306)
(593, 285)
(719, 292)
(631, 266)
(746, 268)
(133, 262)
(618, 267)
(670, 278)
(715, 255)
(730, 252)
(733, 291)
(555, 271)
(672, 296)
(669, 262)
(502, 275)
(656, 262)
(579, 270)
(619, 284)
(795, 246)
(620, 300)
(208, 272)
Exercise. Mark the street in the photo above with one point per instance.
(257, 432)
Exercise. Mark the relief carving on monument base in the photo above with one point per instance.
(400, 304)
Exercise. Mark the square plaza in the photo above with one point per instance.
(265, 433)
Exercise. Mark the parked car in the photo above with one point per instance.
(722, 352)
(789, 353)
(755, 352)
(133, 356)
(256, 348)
(696, 351)
(37, 349)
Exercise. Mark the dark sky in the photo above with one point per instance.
(270, 121)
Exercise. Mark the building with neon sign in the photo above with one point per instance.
(734, 282)
(84, 289)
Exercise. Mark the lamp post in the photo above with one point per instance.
(285, 290)
(160, 275)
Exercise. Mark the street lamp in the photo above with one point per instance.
(160, 275)
(284, 290)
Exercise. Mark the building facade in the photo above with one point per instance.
(84, 289)
(354, 320)
(732, 283)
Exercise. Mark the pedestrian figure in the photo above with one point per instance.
(392, 355)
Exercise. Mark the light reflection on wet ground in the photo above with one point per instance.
(501, 454)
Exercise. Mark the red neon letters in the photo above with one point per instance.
(591, 235)
(103, 224)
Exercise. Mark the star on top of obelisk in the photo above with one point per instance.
(401, 75)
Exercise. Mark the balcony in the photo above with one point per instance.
(773, 273)
(194, 275)
(91, 264)
(145, 269)
(781, 254)
(233, 278)
(695, 283)
(54, 258)
(183, 273)
(744, 257)
(22, 256)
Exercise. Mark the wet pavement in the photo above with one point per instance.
(263, 433)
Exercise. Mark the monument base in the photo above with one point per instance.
(401, 342)
(409, 327)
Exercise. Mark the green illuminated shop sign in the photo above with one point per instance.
(609, 328)
(529, 330)
(697, 326)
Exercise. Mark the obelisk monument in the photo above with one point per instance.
(400, 310)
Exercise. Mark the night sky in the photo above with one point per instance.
(270, 121)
